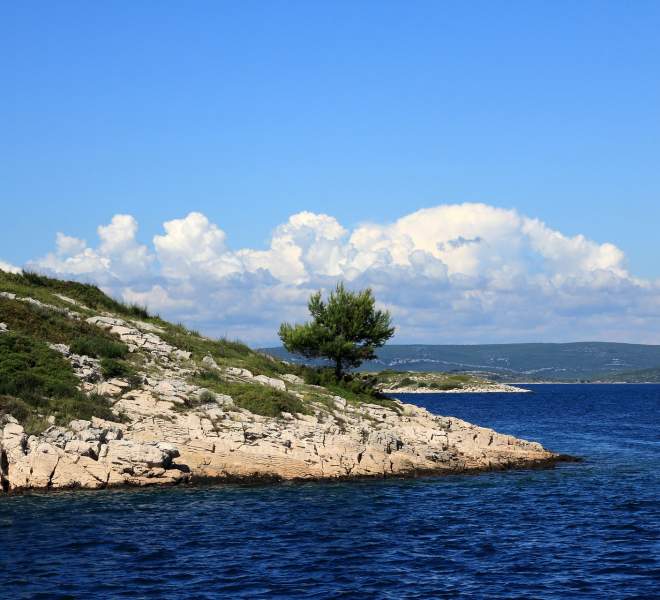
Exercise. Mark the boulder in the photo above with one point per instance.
(81, 448)
(278, 384)
(209, 362)
(238, 372)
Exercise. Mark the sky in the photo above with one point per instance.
(490, 169)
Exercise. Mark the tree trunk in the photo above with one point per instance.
(338, 369)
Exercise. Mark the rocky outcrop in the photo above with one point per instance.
(84, 454)
(139, 336)
(222, 442)
(174, 431)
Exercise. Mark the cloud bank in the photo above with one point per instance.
(461, 273)
(8, 267)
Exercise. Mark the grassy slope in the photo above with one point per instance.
(37, 381)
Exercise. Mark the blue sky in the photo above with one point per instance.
(250, 112)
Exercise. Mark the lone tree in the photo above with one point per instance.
(346, 330)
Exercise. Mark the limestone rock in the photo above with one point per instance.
(291, 378)
(81, 448)
(238, 372)
(278, 384)
(209, 362)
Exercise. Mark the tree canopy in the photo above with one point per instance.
(346, 329)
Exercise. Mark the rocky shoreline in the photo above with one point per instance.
(486, 388)
(170, 430)
(154, 451)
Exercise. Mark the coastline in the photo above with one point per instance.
(181, 411)
(495, 388)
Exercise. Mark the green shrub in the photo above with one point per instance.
(36, 381)
(256, 398)
(52, 326)
(134, 380)
(111, 367)
(406, 382)
(206, 397)
(356, 388)
(443, 385)
(97, 347)
(223, 351)
(30, 369)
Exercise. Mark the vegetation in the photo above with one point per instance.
(53, 326)
(31, 284)
(395, 380)
(111, 367)
(223, 351)
(346, 329)
(36, 381)
(97, 346)
(258, 399)
(356, 388)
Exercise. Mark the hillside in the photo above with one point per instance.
(579, 361)
(95, 393)
(639, 376)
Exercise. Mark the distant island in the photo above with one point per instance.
(95, 393)
(511, 363)
(411, 382)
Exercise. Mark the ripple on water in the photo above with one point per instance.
(587, 530)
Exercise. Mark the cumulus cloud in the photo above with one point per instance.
(118, 259)
(8, 267)
(450, 273)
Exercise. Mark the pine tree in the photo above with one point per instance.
(346, 329)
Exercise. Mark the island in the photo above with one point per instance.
(95, 393)
(435, 382)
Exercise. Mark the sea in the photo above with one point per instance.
(579, 530)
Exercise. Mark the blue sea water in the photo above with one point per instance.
(585, 530)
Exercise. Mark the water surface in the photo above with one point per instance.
(587, 530)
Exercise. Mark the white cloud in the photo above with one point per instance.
(193, 247)
(118, 259)
(8, 267)
(450, 273)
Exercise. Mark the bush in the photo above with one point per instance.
(111, 367)
(30, 369)
(443, 386)
(52, 326)
(36, 381)
(256, 398)
(405, 382)
(97, 347)
(357, 389)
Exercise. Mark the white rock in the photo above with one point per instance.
(209, 362)
(81, 448)
(238, 372)
(271, 381)
(79, 425)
